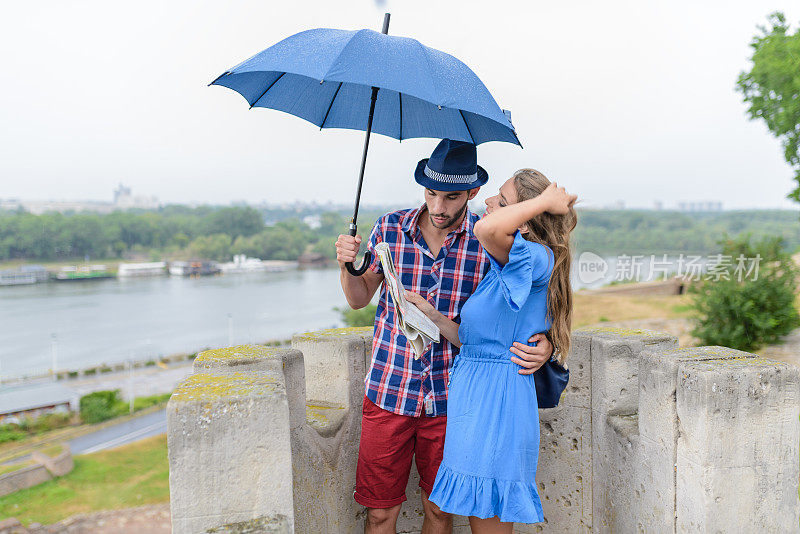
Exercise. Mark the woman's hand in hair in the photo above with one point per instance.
(557, 200)
(423, 305)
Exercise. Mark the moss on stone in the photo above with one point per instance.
(711, 353)
(237, 355)
(318, 412)
(332, 333)
(208, 387)
(324, 417)
(637, 332)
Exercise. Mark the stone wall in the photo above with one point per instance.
(43, 469)
(647, 438)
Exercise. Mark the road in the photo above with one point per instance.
(141, 427)
(126, 432)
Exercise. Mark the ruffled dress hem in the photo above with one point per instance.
(484, 497)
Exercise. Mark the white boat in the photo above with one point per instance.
(242, 264)
(71, 273)
(27, 274)
(16, 278)
(193, 268)
(155, 268)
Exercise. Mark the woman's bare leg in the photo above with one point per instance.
(492, 525)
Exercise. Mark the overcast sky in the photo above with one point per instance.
(617, 100)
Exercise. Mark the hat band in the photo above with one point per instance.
(450, 178)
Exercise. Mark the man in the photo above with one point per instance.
(437, 256)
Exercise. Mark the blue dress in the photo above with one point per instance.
(491, 446)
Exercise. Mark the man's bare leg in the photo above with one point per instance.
(489, 526)
(382, 520)
(436, 521)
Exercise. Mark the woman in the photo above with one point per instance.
(491, 445)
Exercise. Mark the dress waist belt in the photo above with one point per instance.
(476, 353)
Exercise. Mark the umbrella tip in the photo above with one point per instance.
(218, 77)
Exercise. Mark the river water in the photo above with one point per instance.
(92, 322)
(114, 320)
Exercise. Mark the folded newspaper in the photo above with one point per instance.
(417, 327)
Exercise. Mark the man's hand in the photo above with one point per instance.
(346, 249)
(531, 358)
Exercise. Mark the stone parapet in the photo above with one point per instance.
(647, 437)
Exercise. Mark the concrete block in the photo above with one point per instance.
(330, 364)
(579, 362)
(229, 450)
(615, 438)
(326, 450)
(564, 472)
(614, 459)
(239, 358)
(261, 525)
(615, 365)
(738, 445)
(658, 429)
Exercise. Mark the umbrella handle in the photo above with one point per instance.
(358, 271)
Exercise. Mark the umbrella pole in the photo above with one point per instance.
(358, 271)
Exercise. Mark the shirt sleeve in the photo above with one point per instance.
(528, 263)
(375, 237)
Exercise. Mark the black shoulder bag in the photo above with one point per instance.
(551, 380)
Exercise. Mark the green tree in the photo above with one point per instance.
(101, 405)
(747, 310)
(772, 85)
(212, 247)
(234, 221)
(363, 317)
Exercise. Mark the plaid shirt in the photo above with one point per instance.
(396, 381)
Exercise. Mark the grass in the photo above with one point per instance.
(123, 477)
(53, 450)
(595, 308)
(13, 467)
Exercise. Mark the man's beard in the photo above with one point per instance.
(450, 220)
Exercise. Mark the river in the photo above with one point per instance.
(92, 322)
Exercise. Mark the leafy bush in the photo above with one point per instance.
(140, 403)
(9, 434)
(101, 405)
(29, 426)
(754, 311)
(363, 317)
(50, 421)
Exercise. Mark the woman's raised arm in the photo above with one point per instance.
(495, 230)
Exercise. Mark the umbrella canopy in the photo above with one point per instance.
(325, 76)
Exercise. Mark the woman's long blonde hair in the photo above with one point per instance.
(553, 231)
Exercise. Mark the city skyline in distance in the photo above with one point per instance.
(123, 198)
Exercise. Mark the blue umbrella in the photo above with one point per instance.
(365, 80)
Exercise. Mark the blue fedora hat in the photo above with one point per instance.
(453, 166)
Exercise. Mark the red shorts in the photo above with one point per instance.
(388, 443)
